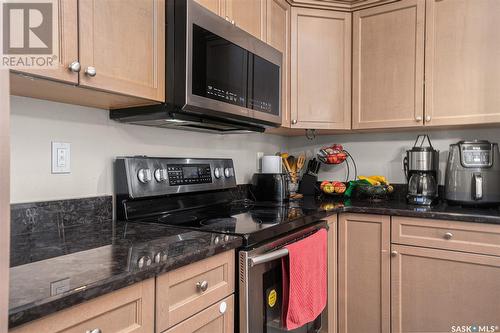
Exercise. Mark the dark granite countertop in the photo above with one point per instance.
(92, 259)
(101, 257)
(397, 206)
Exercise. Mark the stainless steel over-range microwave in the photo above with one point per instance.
(218, 77)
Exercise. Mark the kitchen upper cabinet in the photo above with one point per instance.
(249, 15)
(68, 45)
(462, 68)
(433, 290)
(122, 46)
(216, 6)
(320, 69)
(278, 36)
(388, 65)
(364, 273)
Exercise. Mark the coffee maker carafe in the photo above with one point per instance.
(421, 166)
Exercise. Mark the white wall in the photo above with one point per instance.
(382, 153)
(96, 140)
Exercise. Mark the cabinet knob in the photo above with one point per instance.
(418, 118)
(428, 118)
(448, 235)
(90, 71)
(394, 253)
(95, 330)
(75, 67)
(202, 286)
(294, 121)
(223, 307)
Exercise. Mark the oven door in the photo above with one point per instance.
(260, 286)
(229, 71)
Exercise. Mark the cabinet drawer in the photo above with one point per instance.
(451, 235)
(130, 310)
(179, 294)
(217, 318)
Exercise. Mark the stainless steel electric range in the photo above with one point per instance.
(198, 194)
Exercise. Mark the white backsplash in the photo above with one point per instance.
(382, 153)
(96, 141)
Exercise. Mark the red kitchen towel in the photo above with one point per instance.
(304, 280)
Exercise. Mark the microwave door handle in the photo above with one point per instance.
(268, 257)
(478, 186)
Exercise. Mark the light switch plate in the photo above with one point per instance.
(61, 157)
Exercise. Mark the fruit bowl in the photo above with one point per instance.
(334, 188)
(333, 155)
(374, 192)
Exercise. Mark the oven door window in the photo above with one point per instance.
(220, 68)
(265, 301)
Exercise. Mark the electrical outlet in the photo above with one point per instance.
(61, 157)
(259, 161)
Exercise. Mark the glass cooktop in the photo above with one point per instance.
(255, 222)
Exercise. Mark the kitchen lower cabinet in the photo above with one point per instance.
(191, 289)
(329, 319)
(320, 69)
(461, 62)
(388, 65)
(130, 310)
(364, 273)
(435, 290)
(217, 318)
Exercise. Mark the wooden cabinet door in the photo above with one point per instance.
(462, 71)
(434, 290)
(125, 42)
(218, 318)
(216, 6)
(364, 273)
(130, 309)
(320, 69)
(329, 319)
(249, 15)
(68, 45)
(388, 65)
(177, 293)
(278, 36)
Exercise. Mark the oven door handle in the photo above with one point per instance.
(268, 257)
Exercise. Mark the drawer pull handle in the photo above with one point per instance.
(394, 253)
(448, 235)
(202, 286)
(95, 330)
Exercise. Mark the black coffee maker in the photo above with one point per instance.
(421, 167)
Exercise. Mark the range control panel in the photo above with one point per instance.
(476, 154)
(179, 174)
(141, 176)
